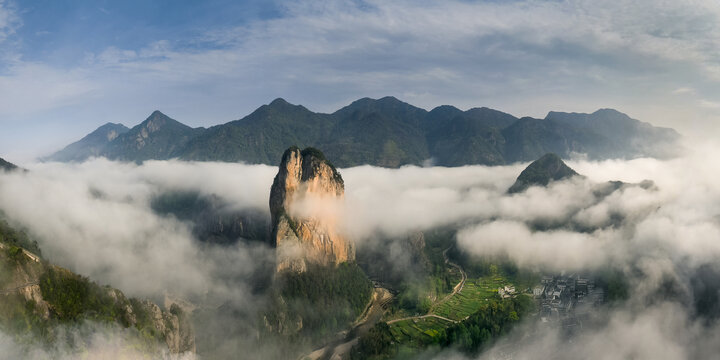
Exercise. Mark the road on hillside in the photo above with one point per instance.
(339, 348)
(422, 317)
(458, 288)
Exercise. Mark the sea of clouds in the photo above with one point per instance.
(96, 218)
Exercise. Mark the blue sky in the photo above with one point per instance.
(67, 67)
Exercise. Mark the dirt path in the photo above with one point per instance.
(458, 288)
(337, 349)
(422, 317)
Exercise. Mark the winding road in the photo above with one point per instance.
(422, 317)
(337, 349)
(458, 288)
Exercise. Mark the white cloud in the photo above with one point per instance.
(709, 104)
(95, 218)
(9, 21)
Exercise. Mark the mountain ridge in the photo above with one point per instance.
(386, 132)
(42, 300)
(6, 165)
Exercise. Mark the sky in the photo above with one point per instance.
(67, 67)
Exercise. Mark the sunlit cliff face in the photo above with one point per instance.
(306, 233)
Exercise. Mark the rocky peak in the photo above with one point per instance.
(155, 121)
(306, 179)
(541, 172)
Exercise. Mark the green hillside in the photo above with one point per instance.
(384, 132)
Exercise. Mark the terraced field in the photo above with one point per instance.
(418, 332)
(474, 294)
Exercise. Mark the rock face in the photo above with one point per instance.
(541, 172)
(28, 290)
(306, 176)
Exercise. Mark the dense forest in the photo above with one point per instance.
(319, 302)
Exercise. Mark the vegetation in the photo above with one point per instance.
(325, 299)
(541, 171)
(476, 332)
(492, 320)
(376, 344)
(475, 294)
(317, 154)
(211, 218)
(615, 284)
(420, 332)
(64, 300)
(383, 132)
(17, 238)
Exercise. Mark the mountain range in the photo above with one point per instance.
(382, 132)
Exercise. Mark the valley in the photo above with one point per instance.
(359, 180)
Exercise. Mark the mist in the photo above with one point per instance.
(96, 218)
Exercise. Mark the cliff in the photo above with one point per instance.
(307, 180)
(41, 300)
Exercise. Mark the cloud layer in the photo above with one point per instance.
(96, 219)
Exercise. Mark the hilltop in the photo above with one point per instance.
(541, 172)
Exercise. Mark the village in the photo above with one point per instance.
(567, 301)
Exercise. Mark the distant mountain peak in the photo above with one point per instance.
(157, 115)
(7, 166)
(597, 114)
(445, 110)
(608, 111)
(109, 125)
(390, 99)
(156, 121)
(110, 131)
(90, 145)
(541, 172)
(385, 100)
(279, 102)
(281, 105)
